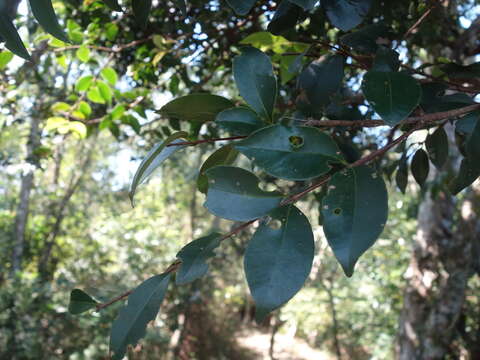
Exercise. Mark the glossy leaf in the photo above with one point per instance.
(233, 194)
(80, 302)
(285, 17)
(194, 258)
(154, 159)
(256, 82)
(196, 107)
(354, 211)
(392, 95)
(420, 166)
(472, 146)
(141, 10)
(278, 260)
(319, 81)
(142, 307)
(386, 60)
(83, 54)
(401, 176)
(469, 172)
(290, 152)
(13, 42)
(241, 7)
(346, 14)
(367, 39)
(239, 121)
(226, 155)
(437, 147)
(45, 15)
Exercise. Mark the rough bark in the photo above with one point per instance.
(26, 186)
(442, 262)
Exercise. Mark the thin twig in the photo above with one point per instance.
(419, 21)
(426, 119)
(192, 143)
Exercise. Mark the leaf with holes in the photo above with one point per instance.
(318, 82)
(241, 7)
(239, 121)
(354, 211)
(420, 166)
(45, 15)
(194, 258)
(142, 307)
(80, 302)
(141, 10)
(196, 107)
(233, 194)
(155, 157)
(291, 152)
(437, 147)
(256, 82)
(346, 14)
(278, 260)
(392, 95)
(226, 155)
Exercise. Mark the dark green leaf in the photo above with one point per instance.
(437, 147)
(154, 159)
(420, 166)
(278, 259)
(291, 152)
(386, 60)
(45, 15)
(194, 258)
(256, 81)
(472, 146)
(241, 7)
(392, 95)
(80, 302)
(143, 305)
(239, 121)
(366, 39)
(141, 10)
(346, 14)
(466, 125)
(285, 17)
(11, 37)
(355, 211)
(305, 4)
(401, 177)
(456, 71)
(233, 194)
(319, 81)
(113, 4)
(224, 156)
(196, 107)
(468, 173)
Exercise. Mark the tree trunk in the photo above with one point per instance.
(21, 216)
(442, 262)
